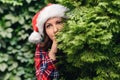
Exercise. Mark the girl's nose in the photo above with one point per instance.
(55, 30)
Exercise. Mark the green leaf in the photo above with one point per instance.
(3, 67)
(13, 66)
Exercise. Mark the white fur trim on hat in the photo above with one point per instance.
(35, 37)
(54, 10)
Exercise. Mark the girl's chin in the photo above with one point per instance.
(53, 38)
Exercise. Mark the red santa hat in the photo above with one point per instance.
(38, 21)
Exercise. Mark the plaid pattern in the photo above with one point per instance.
(45, 68)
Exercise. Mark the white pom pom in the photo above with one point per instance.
(35, 37)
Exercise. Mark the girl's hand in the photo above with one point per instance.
(53, 51)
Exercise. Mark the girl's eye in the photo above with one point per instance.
(59, 22)
(48, 26)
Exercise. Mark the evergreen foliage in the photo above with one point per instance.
(90, 40)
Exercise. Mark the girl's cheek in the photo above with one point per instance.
(60, 27)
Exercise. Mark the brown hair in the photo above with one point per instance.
(47, 42)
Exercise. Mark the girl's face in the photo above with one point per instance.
(52, 26)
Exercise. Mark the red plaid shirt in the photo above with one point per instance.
(45, 68)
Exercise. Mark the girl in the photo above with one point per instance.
(46, 23)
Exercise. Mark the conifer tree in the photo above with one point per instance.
(91, 40)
